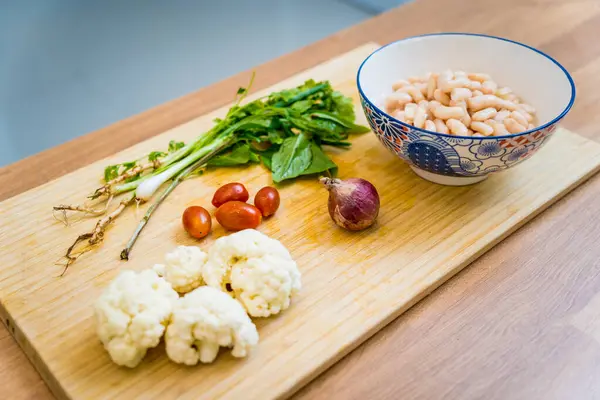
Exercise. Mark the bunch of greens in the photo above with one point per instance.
(286, 131)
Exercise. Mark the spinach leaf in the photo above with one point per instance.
(239, 155)
(292, 159)
(320, 161)
(343, 106)
(336, 143)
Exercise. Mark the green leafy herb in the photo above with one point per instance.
(292, 159)
(320, 161)
(239, 155)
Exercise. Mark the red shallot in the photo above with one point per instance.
(353, 203)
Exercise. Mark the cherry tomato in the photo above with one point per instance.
(196, 221)
(237, 215)
(231, 192)
(267, 201)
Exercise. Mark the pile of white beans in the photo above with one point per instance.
(460, 103)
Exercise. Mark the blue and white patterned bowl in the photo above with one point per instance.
(462, 160)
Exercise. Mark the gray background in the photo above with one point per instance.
(68, 67)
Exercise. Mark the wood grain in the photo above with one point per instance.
(354, 283)
(567, 31)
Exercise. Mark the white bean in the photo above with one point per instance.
(454, 83)
(503, 92)
(456, 127)
(433, 104)
(474, 85)
(502, 115)
(422, 86)
(520, 118)
(530, 127)
(443, 112)
(400, 84)
(415, 93)
(415, 79)
(399, 115)
(482, 128)
(489, 87)
(430, 126)
(513, 126)
(466, 118)
(401, 98)
(477, 93)
(460, 74)
(527, 108)
(440, 126)
(489, 100)
(500, 129)
(459, 94)
(479, 77)
(410, 110)
(420, 117)
(486, 113)
(431, 86)
(476, 134)
(442, 97)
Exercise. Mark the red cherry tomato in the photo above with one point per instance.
(230, 192)
(196, 221)
(267, 201)
(237, 215)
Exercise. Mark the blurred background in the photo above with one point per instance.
(68, 67)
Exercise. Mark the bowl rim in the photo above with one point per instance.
(538, 128)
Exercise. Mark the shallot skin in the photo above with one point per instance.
(353, 203)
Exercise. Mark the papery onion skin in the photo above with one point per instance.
(353, 203)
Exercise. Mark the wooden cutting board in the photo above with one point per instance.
(353, 283)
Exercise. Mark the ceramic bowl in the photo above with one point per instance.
(461, 160)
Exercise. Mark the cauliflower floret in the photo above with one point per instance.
(132, 313)
(255, 269)
(183, 268)
(202, 322)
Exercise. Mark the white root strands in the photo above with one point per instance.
(88, 240)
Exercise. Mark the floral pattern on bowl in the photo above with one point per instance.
(450, 156)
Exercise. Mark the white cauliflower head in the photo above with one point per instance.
(255, 269)
(132, 313)
(205, 320)
(183, 268)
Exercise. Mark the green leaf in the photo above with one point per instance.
(254, 157)
(128, 165)
(276, 137)
(343, 106)
(239, 155)
(336, 143)
(111, 172)
(241, 90)
(292, 159)
(320, 161)
(155, 155)
(334, 118)
(359, 129)
(174, 146)
(266, 156)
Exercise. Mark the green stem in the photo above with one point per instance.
(176, 181)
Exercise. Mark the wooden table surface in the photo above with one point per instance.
(522, 322)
